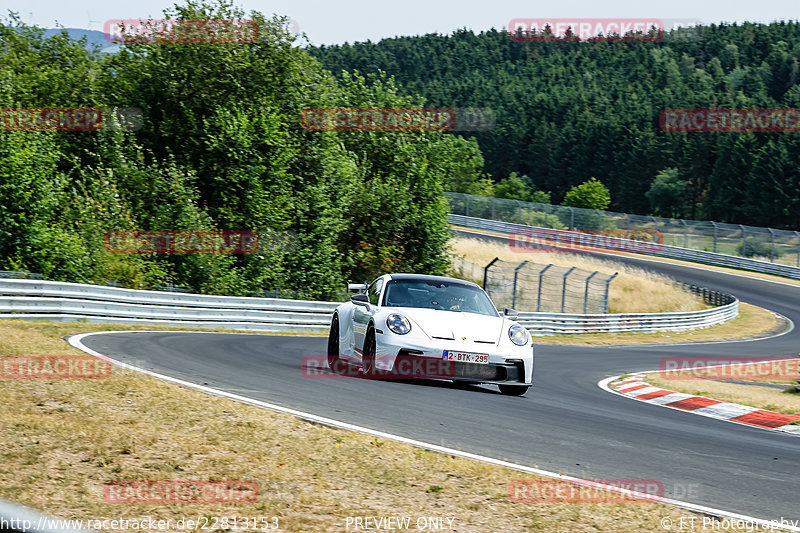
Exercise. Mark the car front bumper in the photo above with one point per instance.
(508, 365)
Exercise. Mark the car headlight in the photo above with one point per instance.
(398, 324)
(518, 335)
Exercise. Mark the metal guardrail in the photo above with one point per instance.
(556, 323)
(53, 300)
(661, 250)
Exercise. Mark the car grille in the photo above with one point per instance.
(476, 371)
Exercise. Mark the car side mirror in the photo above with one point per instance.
(510, 313)
(356, 286)
(360, 299)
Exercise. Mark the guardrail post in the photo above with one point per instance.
(514, 290)
(539, 292)
(564, 287)
(586, 290)
(605, 296)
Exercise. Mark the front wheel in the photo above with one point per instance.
(368, 355)
(334, 362)
(514, 390)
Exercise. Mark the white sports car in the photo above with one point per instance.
(417, 326)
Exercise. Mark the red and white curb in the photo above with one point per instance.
(634, 386)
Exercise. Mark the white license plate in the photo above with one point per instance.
(466, 357)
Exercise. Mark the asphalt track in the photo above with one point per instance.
(565, 423)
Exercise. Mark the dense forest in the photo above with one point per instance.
(220, 145)
(220, 148)
(569, 111)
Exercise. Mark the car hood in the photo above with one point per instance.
(454, 324)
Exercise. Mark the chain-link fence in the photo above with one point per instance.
(530, 287)
(777, 246)
(465, 269)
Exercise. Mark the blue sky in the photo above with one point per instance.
(337, 21)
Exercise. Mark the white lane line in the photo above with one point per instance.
(76, 341)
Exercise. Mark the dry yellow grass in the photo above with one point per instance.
(633, 291)
(64, 439)
(759, 396)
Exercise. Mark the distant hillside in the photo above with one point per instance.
(569, 111)
(93, 37)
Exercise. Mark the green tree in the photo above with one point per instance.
(666, 194)
(590, 194)
(513, 187)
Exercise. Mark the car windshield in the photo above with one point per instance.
(440, 295)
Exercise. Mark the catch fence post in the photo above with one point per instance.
(772, 247)
(685, 233)
(715, 235)
(564, 287)
(539, 292)
(486, 271)
(605, 296)
(514, 291)
(797, 233)
(744, 250)
(586, 291)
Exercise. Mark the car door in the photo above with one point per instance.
(363, 313)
